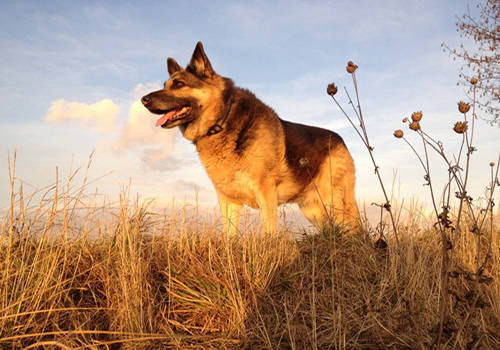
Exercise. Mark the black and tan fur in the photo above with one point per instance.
(252, 156)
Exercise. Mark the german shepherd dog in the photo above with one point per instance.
(251, 155)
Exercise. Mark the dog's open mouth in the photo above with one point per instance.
(173, 115)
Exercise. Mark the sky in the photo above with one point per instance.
(72, 73)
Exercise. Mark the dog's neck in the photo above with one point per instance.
(219, 124)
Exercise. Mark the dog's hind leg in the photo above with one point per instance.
(330, 197)
(230, 213)
(311, 207)
(320, 209)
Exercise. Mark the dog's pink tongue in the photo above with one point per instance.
(165, 117)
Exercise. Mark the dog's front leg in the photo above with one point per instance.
(267, 200)
(230, 213)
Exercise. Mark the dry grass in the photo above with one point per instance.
(76, 275)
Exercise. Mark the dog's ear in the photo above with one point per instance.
(172, 66)
(200, 65)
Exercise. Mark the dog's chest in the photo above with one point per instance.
(230, 176)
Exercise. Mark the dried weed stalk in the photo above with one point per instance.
(451, 229)
(362, 133)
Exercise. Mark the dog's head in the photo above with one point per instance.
(192, 98)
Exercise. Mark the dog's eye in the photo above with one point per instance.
(178, 84)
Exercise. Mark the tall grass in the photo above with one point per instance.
(77, 274)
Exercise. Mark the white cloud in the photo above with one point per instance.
(100, 115)
(140, 131)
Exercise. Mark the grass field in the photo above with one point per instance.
(77, 275)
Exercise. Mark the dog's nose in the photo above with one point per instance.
(145, 100)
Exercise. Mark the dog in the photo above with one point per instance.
(252, 156)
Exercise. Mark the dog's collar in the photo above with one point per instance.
(218, 126)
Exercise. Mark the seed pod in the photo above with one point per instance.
(351, 67)
(304, 162)
(415, 126)
(460, 127)
(463, 107)
(331, 89)
(398, 134)
(416, 116)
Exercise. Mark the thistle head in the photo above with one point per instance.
(417, 116)
(351, 67)
(331, 89)
(463, 107)
(415, 125)
(473, 81)
(398, 134)
(304, 162)
(460, 127)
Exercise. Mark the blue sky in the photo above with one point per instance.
(71, 74)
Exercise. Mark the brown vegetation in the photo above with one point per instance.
(70, 278)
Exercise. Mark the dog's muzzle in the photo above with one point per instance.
(146, 100)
